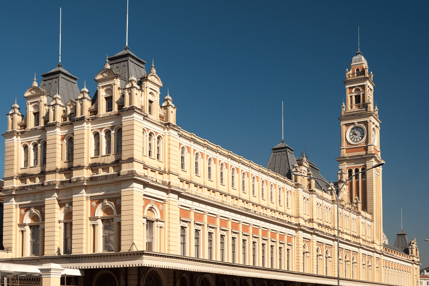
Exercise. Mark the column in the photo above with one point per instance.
(80, 223)
(51, 274)
(132, 216)
(52, 216)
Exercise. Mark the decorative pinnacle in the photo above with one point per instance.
(34, 80)
(107, 65)
(152, 69)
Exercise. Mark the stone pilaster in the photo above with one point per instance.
(131, 216)
(52, 230)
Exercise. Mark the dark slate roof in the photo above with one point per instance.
(320, 181)
(127, 64)
(282, 160)
(61, 80)
(401, 242)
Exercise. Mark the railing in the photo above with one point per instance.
(20, 280)
(363, 73)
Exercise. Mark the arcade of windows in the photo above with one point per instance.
(231, 249)
(236, 180)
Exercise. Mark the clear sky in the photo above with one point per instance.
(230, 64)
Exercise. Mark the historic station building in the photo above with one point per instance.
(109, 190)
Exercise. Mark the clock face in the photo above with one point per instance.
(356, 134)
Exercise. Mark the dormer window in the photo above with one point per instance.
(109, 104)
(36, 118)
(150, 107)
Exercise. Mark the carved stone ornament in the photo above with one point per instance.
(93, 204)
(118, 201)
(43, 210)
(105, 74)
(160, 207)
(22, 212)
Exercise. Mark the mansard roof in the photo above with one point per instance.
(62, 81)
(282, 160)
(402, 242)
(127, 64)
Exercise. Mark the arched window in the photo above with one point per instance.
(233, 177)
(108, 142)
(96, 144)
(149, 235)
(209, 168)
(70, 149)
(108, 235)
(280, 196)
(197, 163)
(35, 154)
(317, 259)
(346, 258)
(221, 173)
(25, 156)
(363, 174)
(353, 267)
(150, 145)
(304, 259)
(357, 72)
(182, 158)
(43, 152)
(159, 148)
(350, 173)
(263, 189)
(182, 240)
(150, 107)
(272, 193)
(119, 140)
(253, 186)
(243, 182)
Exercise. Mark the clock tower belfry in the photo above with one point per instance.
(360, 143)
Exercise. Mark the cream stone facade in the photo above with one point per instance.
(109, 190)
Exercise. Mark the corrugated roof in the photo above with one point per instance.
(61, 80)
(282, 160)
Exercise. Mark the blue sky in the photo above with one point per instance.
(230, 64)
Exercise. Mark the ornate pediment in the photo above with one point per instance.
(153, 78)
(35, 91)
(106, 74)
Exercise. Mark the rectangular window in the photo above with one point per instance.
(280, 257)
(233, 244)
(263, 254)
(244, 252)
(272, 256)
(109, 104)
(149, 235)
(254, 252)
(210, 245)
(182, 240)
(150, 107)
(222, 248)
(288, 259)
(108, 235)
(67, 247)
(36, 118)
(34, 240)
(197, 243)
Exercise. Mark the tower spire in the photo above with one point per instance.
(358, 52)
(59, 63)
(282, 124)
(126, 38)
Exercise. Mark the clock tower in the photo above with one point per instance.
(360, 144)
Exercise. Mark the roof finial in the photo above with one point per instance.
(59, 63)
(15, 99)
(107, 65)
(152, 69)
(126, 40)
(34, 80)
(282, 124)
(168, 90)
(84, 83)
